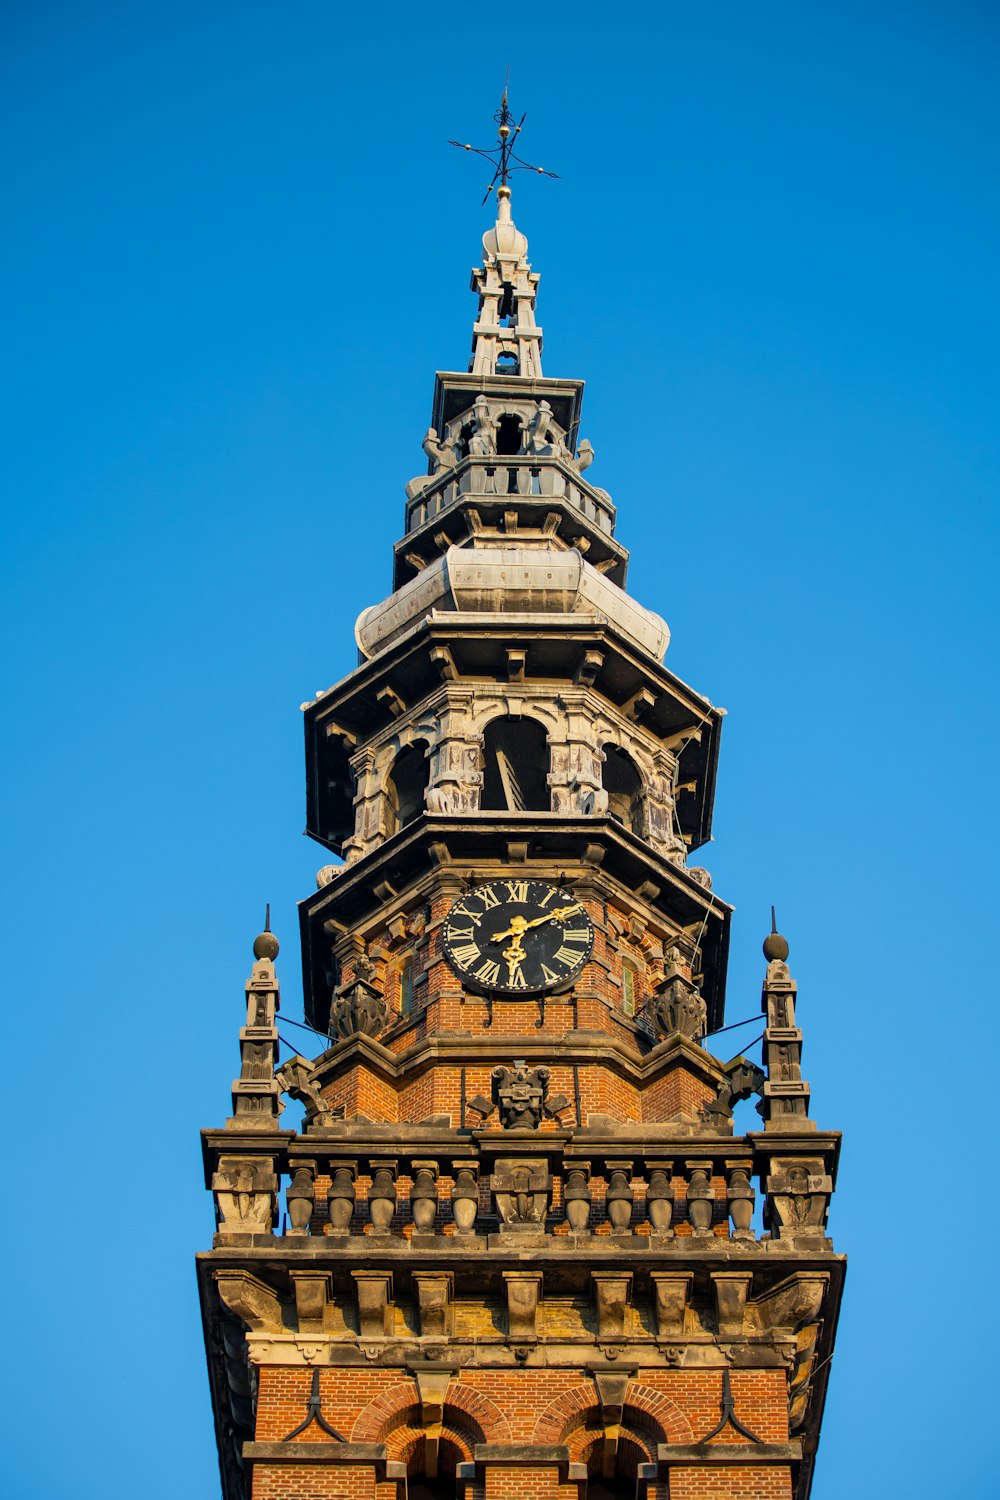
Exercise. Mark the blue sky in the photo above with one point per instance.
(236, 249)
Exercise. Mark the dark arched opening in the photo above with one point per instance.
(623, 784)
(516, 770)
(407, 784)
(509, 435)
(463, 440)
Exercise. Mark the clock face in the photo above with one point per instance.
(518, 937)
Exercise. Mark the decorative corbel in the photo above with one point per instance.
(612, 1291)
(312, 1294)
(731, 1289)
(256, 1304)
(523, 1290)
(672, 1290)
(434, 1298)
(375, 1307)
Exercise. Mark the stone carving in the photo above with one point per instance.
(521, 1192)
(300, 1196)
(742, 1079)
(358, 1006)
(798, 1196)
(484, 434)
(519, 1093)
(294, 1079)
(245, 1189)
(584, 456)
(676, 1006)
(442, 456)
(541, 436)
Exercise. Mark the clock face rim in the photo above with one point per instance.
(511, 908)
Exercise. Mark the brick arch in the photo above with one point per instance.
(645, 1409)
(566, 1413)
(484, 1418)
(658, 1414)
(396, 1406)
(472, 1416)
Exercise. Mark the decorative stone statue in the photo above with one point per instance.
(245, 1195)
(584, 456)
(441, 455)
(519, 1093)
(484, 436)
(677, 1006)
(521, 1192)
(294, 1080)
(359, 1007)
(541, 437)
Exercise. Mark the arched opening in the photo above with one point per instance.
(336, 793)
(463, 440)
(406, 785)
(508, 364)
(623, 784)
(509, 435)
(516, 769)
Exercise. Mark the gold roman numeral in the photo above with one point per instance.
(488, 972)
(549, 974)
(517, 890)
(466, 955)
(460, 932)
(575, 934)
(487, 897)
(553, 893)
(568, 956)
(517, 980)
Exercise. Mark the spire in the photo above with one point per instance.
(505, 340)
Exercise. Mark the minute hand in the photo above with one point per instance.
(550, 916)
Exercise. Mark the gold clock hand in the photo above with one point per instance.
(521, 924)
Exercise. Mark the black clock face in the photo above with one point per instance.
(518, 937)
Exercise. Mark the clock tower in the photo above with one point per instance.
(517, 1246)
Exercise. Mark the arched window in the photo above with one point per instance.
(516, 754)
(628, 989)
(406, 986)
(463, 440)
(509, 435)
(623, 784)
(406, 785)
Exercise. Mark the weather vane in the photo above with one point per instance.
(502, 155)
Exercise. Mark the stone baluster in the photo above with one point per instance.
(424, 1196)
(300, 1196)
(740, 1197)
(660, 1197)
(465, 1196)
(577, 1196)
(700, 1197)
(619, 1196)
(382, 1196)
(340, 1197)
